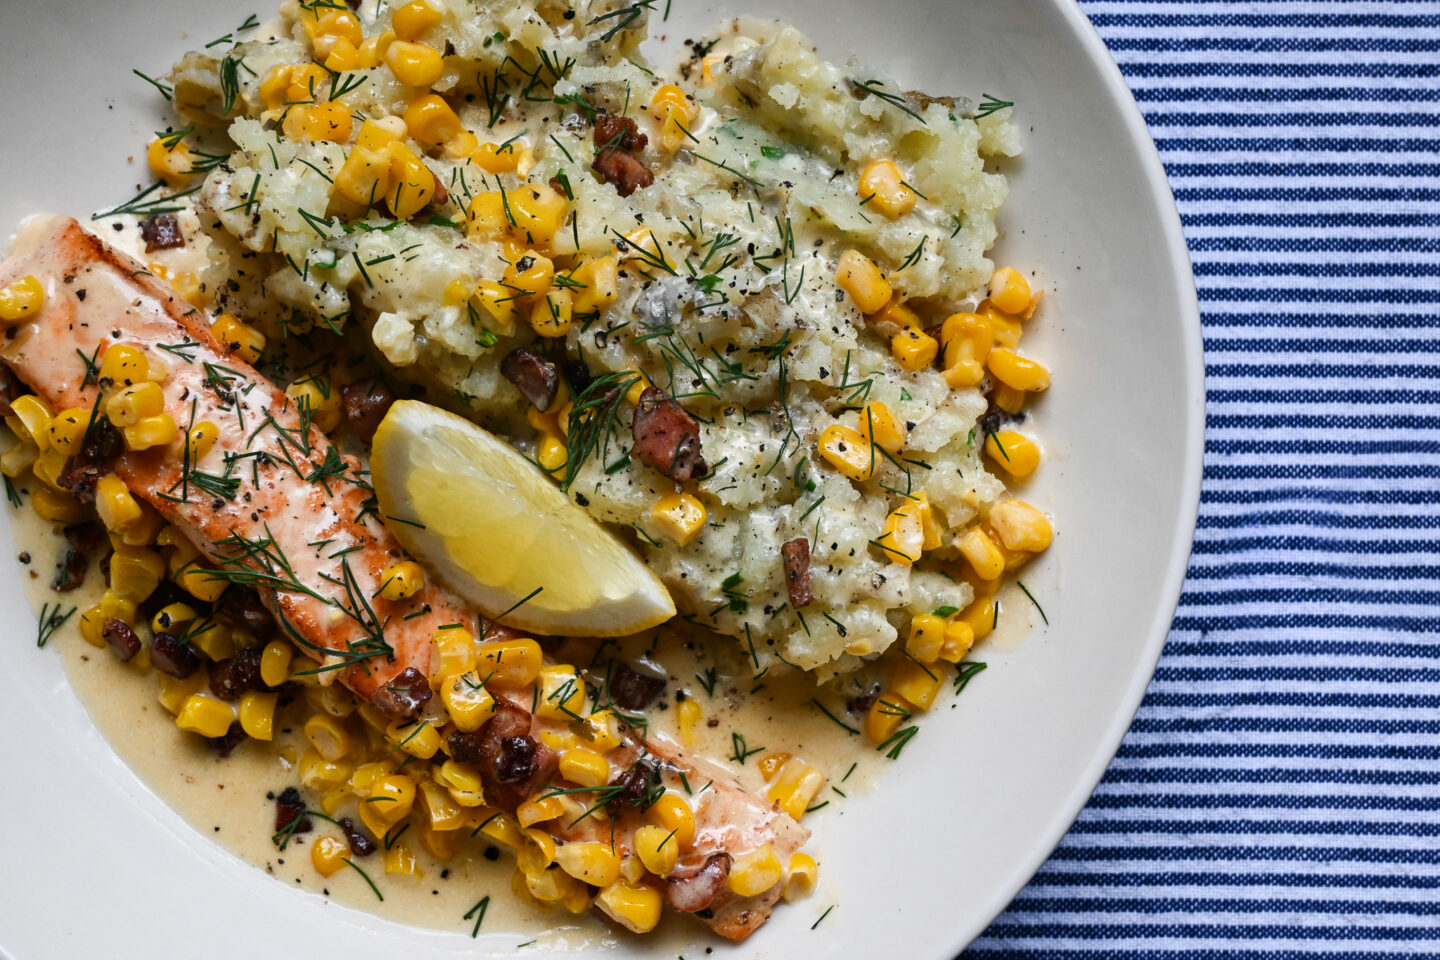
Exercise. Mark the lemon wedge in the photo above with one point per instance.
(496, 530)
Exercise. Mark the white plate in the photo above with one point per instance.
(918, 867)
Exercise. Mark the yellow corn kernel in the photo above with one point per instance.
(402, 580)
(460, 146)
(200, 439)
(135, 572)
(114, 503)
(959, 637)
(318, 774)
(172, 616)
(328, 736)
(499, 301)
(539, 211)
(885, 716)
(30, 419)
(550, 452)
(539, 810)
(411, 20)
(1004, 328)
(19, 458)
(585, 767)
(337, 23)
(329, 121)
(92, 625)
(755, 872)
(880, 425)
(343, 56)
(673, 111)
(419, 739)
(67, 429)
(882, 187)
(236, 337)
(510, 663)
(562, 693)
(391, 799)
(673, 812)
(967, 339)
(411, 183)
(599, 285)
(174, 692)
(530, 276)
(429, 119)
(657, 849)
(985, 558)
(414, 64)
(679, 517)
(371, 51)
(48, 466)
(467, 701)
(54, 506)
(333, 700)
(215, 640)
(275, 663)
(441, 811)
(364, 776)
(141, 531)
(1021, 526)
(594, 863)
(332, 801)
(688, 719)
(200, 585)
(894, 317)
(1010, 291)
(257, 714)
(917, 683)
(21, 300)
(771, 763)
(329, 855)
(456, 650)
(535, 851)
(364, 178)
(848, 451)
(148, 432)
(122, 366)
(902, 539)
(274, 88)
(927, 637)
(801, 876)
(914, 349)
(636, 907)
(795, 786)
(1016, 371)
(400, 859)
(205, 715)
(500, 158)
(602, 730)
(1008, 398)
(1013, 452)
(550, 317)
(131, 404)
(858, 276)
(170, 159)
(558, 740)
(442, 844)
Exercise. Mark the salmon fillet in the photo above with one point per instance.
(302, 529)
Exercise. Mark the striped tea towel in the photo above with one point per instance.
(1279, 792)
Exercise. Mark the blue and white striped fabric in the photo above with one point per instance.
(1279, 792)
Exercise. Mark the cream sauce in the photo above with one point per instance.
(230, 800)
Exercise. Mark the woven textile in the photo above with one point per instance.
(1279, 792)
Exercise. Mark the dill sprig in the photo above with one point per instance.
(991, 104)
(625, 16)
(594, 421)
(141, 205)
(478, 912)
(51, 621)
(1022, 586)
(965, 671)
(895, 100)
(166, 90)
